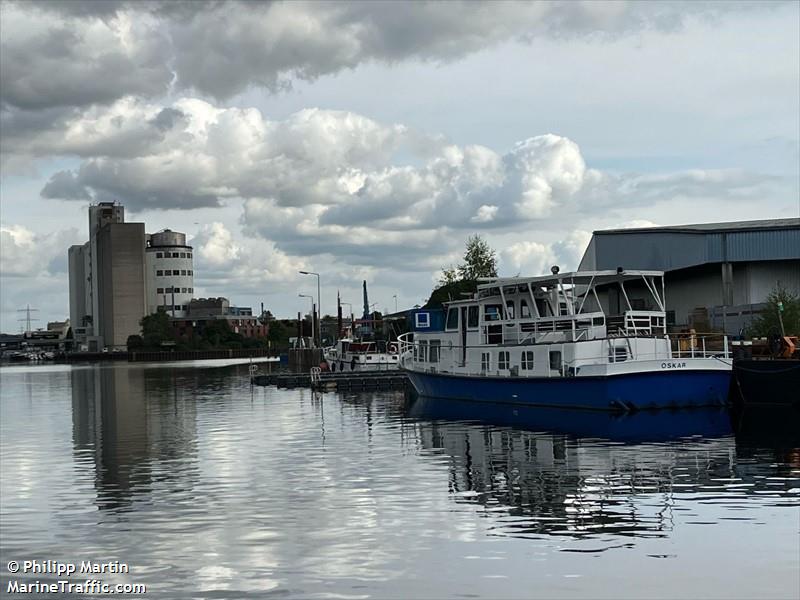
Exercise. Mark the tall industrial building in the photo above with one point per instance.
(170, 273)
(107, 280)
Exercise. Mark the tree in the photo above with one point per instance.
(768, 322)
(449, 275)
(135, 342)
(156, 329)
(480, 259)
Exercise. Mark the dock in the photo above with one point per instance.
(358, 381)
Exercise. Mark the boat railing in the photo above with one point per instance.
(699, 345)
(445, 357)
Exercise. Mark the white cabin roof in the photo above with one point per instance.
(578, 277)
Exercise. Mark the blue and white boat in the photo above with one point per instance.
(594, 339)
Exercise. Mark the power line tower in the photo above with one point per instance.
(28, 310)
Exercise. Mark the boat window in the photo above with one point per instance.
(423, 319)
(524, 309)
(485, 361)
(491, 312)
(509, 309)
(503, 360)
(423, 351)
(555, 360)
(562, 308)
(452, 318)
(597, 321)
(527, 360)
(435, 350)
(472, 316)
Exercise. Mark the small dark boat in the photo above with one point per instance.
(766, 371)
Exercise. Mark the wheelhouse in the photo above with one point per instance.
(561, 308)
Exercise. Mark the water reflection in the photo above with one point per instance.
(209, 488)
(583, 474)
(127, 419)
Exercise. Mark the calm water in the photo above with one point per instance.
(210, 489)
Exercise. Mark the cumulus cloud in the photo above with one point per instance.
(322, 181)
(24, 253)
(223, 258)
(79, 53)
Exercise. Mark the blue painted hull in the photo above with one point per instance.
(629, 392)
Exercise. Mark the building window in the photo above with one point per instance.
(486, 361)
(176, 255)
(472, 316)
(159, 273)
(190, 272)
(183, 254)
(188, 255)
(185, 307)
(527, 360)
(159, 254)
(183, 272)
(191, 290)
(423, 320)
(169, 290)
(160, 291)
(503, 360)
(183, 290)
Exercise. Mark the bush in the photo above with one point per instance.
(768, 322)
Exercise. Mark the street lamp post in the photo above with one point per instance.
(312, 314)
(395, 302)
(319, 305)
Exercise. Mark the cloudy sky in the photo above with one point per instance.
(368, 140)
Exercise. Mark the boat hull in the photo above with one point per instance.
(767, 382)
(627, 392)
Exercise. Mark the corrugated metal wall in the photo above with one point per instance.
(666, 251)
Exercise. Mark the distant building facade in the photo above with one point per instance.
(170, 273)
(202, 311)
(718, 275)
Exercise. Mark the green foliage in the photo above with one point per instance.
(135, 342)
(480, 260)
(449, 275)
(456, 290)
(768, 322)
(156, 330)
(279, 334)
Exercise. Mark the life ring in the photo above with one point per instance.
(393, 348)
